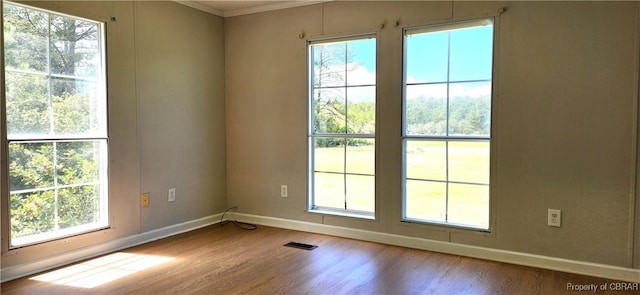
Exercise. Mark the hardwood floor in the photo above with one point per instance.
(228, 260)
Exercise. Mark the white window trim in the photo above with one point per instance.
(103, 171)
(311, 208)
(492, 20)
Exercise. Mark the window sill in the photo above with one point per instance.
(57, 235)
(447, 225)
(343, 213)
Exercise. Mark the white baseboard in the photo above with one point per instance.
(552, 263)
(519, 258)
(21, 270)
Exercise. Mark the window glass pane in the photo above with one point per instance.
(426, 200)
(343, 103)
(361, 193)
(75, 47)
(329, 68)
(426, 160)
(55, 88)
(361, 58)
(31, 166)
(328, 154)
(469, 161)
(328, 190)
(28, 111)
(470, 109)
(25, 39)
(79, 205)
(32, 213)
(426, 109)
(469, 205)
(78, 162)
(447, 97)
(361, 110)
(427, 57)
(329, 113)
(471, 53)
(77, 108)
(361, 156)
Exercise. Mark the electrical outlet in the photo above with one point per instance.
(172, 195)
(144, 200)
(284, 191)
(554, 217)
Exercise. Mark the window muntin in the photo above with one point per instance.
(56, 124)
(342, 126)
(447, 123)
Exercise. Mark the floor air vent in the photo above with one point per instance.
(300, 246)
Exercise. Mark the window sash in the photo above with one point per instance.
(449, 26)
(339, 205)
(445, 138)
(95, 97)
(332, 40)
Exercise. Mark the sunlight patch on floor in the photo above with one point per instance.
(102, 270)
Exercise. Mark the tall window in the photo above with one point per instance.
(447, 123)
(342, 101)
(56, 124)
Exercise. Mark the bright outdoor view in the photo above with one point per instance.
(56, 124)
(342, 125)
(447, 123)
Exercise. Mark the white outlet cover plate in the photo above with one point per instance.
(554, 217)
(172, 195)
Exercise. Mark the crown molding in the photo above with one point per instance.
(200, 7)
(271, 7)
(250, 10)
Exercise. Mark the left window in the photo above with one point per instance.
(56, 124)
(342, 108)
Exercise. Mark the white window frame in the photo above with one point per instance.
(449, 138)
(312, 134)
(102, 139)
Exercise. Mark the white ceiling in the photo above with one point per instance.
(239, 7)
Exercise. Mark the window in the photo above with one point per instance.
(447, 123)
(342, 100)
(56, 124)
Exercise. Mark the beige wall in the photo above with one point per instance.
(180, 58)
(166, 118)
(564, 119)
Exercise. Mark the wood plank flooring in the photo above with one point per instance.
(228, 260)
